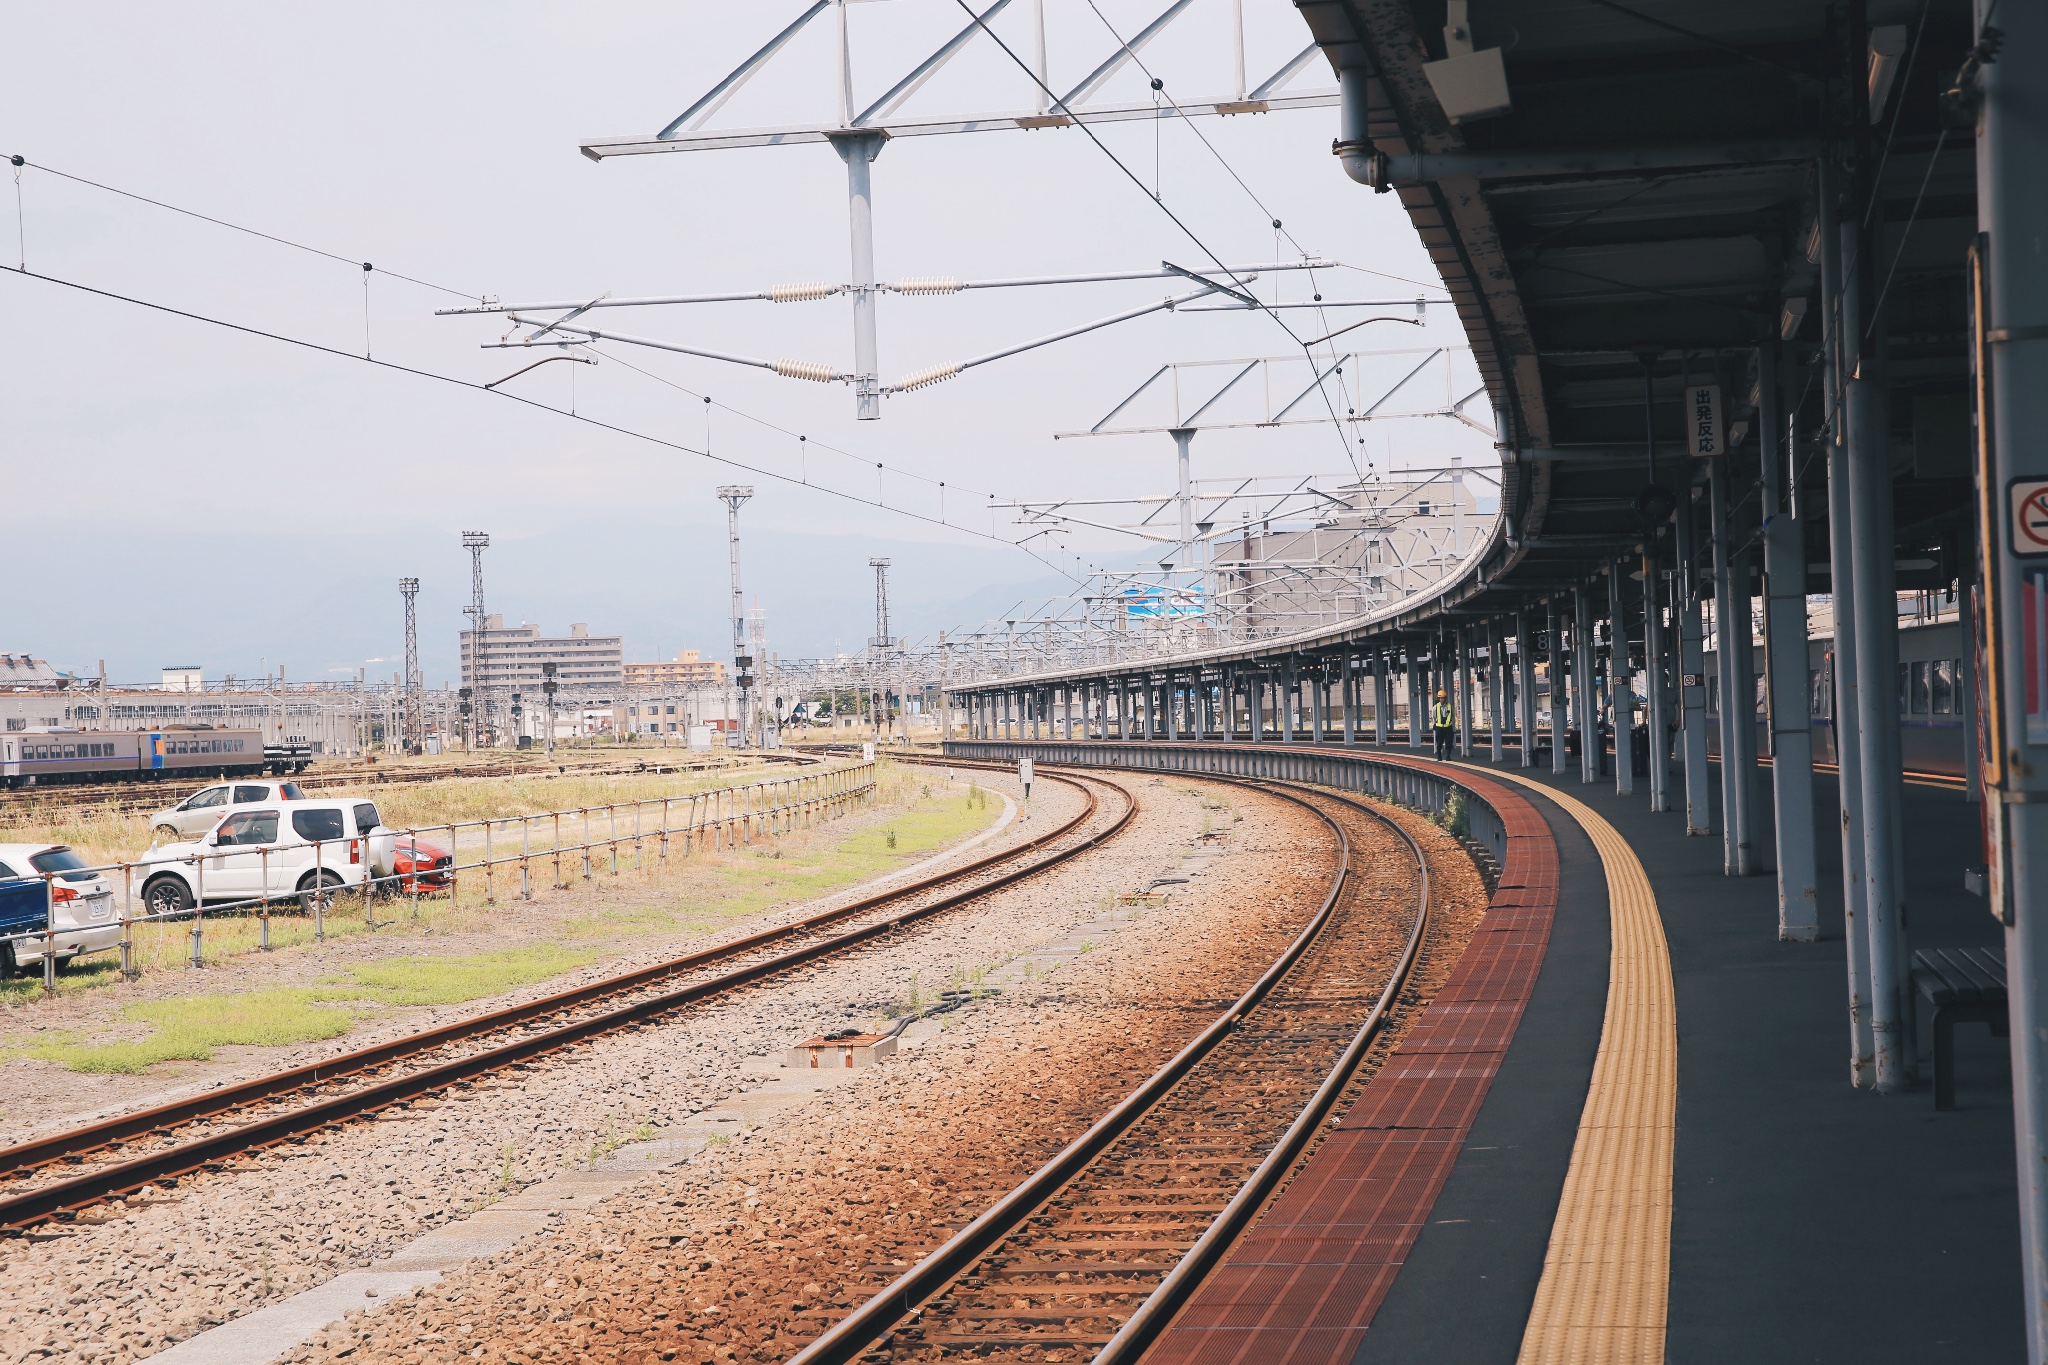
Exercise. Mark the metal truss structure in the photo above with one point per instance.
(858, 134)
(1320, 552)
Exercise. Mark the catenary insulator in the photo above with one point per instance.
(934, 375)
(928, 284)
(802, 293)
(805, 369)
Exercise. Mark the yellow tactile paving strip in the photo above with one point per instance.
(1607, 1273)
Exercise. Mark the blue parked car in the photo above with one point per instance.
(86, 920)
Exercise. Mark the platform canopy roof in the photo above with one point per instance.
(1641, 214)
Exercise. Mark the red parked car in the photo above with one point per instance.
(421, 866)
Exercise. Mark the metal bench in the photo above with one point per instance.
(1964, 985)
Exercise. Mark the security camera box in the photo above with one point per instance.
(1471, 86)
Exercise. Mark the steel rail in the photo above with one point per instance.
(40, 1204)
(29, 1156)
(922, 1283)
(1152, 1316)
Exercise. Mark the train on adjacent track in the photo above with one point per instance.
(1934, 710)
(50, 756)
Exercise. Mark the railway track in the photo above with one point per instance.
(43, 1179)
(1096, 1251)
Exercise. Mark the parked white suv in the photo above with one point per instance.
(198, 813)
(275, 849)
(44, 882)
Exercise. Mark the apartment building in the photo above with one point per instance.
(685, 672)
(509, 659)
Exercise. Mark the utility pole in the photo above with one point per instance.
(409, 713)
(880, 644)
(476, 542)
(734, 495)
(547, 693)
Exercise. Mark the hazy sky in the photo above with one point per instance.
(189, 494)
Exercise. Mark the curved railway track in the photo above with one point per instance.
(1097, 1250)
(209, 1129)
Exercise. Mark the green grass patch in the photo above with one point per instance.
(188, 1030)
(82, 975)
(747, 881)
(452, 980)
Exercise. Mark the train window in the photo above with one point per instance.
(1944, 690)
(1920, 687)
(1713, 695)
(248, 827)
(1905, 688)
(1817, 690)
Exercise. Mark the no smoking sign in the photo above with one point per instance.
(2029, 499)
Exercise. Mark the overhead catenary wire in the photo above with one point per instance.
(1215, 259)
(20, 161)
(499, 393)
(804, 441)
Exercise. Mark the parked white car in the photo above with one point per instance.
(198, 813)
(80, 902)
(274, 849)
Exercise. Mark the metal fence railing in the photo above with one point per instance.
(721, 818)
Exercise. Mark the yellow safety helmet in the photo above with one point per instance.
(1442, 695)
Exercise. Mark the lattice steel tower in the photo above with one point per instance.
(733, 495)
(476, 542)
(410, 719)
(881, 638)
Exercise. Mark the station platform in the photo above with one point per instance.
(1807, 1220)
(1810, 1221)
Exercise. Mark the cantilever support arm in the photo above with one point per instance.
(789, 369)
(939, 372)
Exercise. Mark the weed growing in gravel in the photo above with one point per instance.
(1455, 816)
(189, 1029)
(719, 887)
(505, 1167)
(600, 1148)
(451, 980)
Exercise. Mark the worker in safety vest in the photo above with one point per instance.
(1441, 719)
